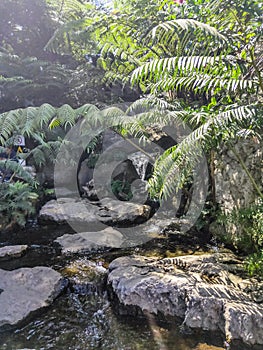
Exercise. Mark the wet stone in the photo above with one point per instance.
(85, 277)
(27, 290)
(12, 251)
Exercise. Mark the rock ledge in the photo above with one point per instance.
(200, 290)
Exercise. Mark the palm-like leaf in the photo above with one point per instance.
(176, 164)
(175, 30)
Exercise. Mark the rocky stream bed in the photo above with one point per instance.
(88, 290)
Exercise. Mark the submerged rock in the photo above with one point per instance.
(85, 276)
(26, 290)
(12, 251)
(198, 289)
(87, 241)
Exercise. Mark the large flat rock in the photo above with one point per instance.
(108, 211)
(68, 210)
(26, 290)
(87, 241)
(119, 212)
(198, 289)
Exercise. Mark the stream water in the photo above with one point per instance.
(83, 322)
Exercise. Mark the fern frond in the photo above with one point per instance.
(177, 163)
(204, 83)
(151, 101)
(45, 152)
(9, 122)
(31, 120)
(172, 26)
(17, 169)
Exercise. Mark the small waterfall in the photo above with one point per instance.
(140, 162)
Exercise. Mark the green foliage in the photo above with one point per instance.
(224, 126)
(66, 10)
(16, 204)
(168, 46)
(176, 164)
(202, 61)
(16, 170)
(117, 36)
(92, 160)
(33, 121)
(205, 64)
(254, 264)
(44, 124)
(18, 192)
(121, 189)
(248, 226)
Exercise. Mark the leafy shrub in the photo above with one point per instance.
(244, 228)
(254, 264)
(16, 203)
(17, 192)
(122, 190)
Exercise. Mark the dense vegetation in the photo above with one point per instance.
(188, 61)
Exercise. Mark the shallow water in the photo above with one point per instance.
(88, 322)
(82, 322)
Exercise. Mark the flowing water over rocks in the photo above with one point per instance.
(83, 316)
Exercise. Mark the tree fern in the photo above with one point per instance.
(166, 31)
(32, 120)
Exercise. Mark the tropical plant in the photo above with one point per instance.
(17, 203)
(66, 10)
(199, 60)
(207, 73)
(18, 191)
(113, 36)
(254, 264)
(37, 123)
(248, 224)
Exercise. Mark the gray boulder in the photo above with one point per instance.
(122, 212)
(87, 241)
(74, 210)
(68, 210)
(26, 290)
(198, 289)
